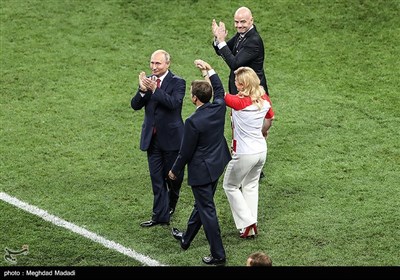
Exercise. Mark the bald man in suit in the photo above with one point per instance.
(245, 48)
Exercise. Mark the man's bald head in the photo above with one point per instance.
(243, 11)
(243, 19)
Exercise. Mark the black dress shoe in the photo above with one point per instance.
(153, 223)
(211, 260)
(171, 211)
(178, 235)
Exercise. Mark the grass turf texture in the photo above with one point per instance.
(70, 141)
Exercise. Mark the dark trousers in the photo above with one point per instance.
(204, 214)
(165, 191)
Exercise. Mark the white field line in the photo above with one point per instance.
(79, 230)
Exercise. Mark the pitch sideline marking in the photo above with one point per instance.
(79, 230)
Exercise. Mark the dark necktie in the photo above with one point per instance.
(237, 45)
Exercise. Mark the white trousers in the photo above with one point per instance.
(241, 181)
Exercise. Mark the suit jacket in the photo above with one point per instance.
(249, 53)
(204, 148)
(163, 110)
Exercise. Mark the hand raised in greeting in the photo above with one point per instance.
(202, 65)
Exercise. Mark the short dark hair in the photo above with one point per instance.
(202, 90)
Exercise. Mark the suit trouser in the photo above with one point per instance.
(241, 182)
(205, 214)
(160, 163)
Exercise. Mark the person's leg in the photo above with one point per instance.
(251, 184)
(204, 196)
(193, 226)
(160, 191)
(174, 186)
(236, 170)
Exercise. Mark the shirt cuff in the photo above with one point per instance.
(221, 45)
(211, 72)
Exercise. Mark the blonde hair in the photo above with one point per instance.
(247, 77)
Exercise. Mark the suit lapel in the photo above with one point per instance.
(166, 80)
(239, 43)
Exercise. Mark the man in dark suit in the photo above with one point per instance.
(246, 48)
(162, 95)
(205, 151)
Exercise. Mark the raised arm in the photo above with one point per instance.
(212, 77)
(204, 68)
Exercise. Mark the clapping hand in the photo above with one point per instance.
(142, 76)
(219, 31)
(146, 83)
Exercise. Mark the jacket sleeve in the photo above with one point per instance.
(248, 53)
(218, 88)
